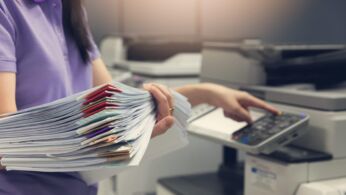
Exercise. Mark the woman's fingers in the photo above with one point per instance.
(233, 109)
(243, 114)
(164, 102)
(251, 101)
(233, 116)
(166, 92)
(161, 99)
(162, 126)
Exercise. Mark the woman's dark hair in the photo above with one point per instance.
(75, 23)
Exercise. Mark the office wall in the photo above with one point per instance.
(315, 21)
(292, 21)
(104, 17)
(160, 17)
(284, 21)
(225, 19)
(143, 18)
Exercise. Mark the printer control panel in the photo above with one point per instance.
(267, 127)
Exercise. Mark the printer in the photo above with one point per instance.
(153, 58)
(301, 78)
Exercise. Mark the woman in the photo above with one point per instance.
(47, 53)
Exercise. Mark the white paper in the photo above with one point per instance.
(62, 137)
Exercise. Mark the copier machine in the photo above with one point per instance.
(316, 163)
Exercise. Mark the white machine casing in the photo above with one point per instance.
(182, 64)
(326, 131)
(268, 177)
(113, 52)
(329, 187)
(220, 64)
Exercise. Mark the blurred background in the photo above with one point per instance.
(283, 21)
(182, 26)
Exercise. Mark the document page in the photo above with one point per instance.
(98, 132)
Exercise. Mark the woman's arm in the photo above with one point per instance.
(100, 73)
(7, 92)
(234, 103)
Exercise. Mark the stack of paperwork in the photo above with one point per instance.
(105, 127)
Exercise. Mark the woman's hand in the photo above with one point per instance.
(165, 105)
(234, 103)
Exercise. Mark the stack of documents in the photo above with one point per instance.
(107, 126)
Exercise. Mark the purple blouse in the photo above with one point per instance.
(48, 66)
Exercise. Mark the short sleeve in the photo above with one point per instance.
(7, 40)
(94, 52)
